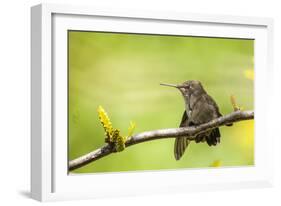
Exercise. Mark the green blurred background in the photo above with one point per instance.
(122, 73)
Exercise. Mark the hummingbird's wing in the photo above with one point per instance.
(208, 110)
(210, 101)
(213, 102)
(184, 119)
(181, 143)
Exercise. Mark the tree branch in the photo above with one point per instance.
(190, 132)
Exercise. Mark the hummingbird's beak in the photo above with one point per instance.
(170, 85)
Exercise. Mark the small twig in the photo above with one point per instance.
(190, 132)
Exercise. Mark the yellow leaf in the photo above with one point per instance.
(234, 104)
(131, 128)
(106, 123)
(216, 163)
(249, 74)
(247, 134)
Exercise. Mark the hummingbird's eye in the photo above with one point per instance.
(188, 87)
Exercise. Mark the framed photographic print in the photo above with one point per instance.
(137, 102)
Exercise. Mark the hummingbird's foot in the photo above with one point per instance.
(200, 138)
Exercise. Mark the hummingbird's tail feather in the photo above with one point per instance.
(214, 137)
(181, 144)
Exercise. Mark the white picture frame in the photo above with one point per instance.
(49, 169)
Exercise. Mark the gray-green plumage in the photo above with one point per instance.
(199, 108)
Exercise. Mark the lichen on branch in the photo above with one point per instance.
(112, 135)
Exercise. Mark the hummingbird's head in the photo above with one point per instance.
(188, 88)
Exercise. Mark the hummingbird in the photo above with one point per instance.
(199, 108)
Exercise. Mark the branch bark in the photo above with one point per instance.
(190, 132)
